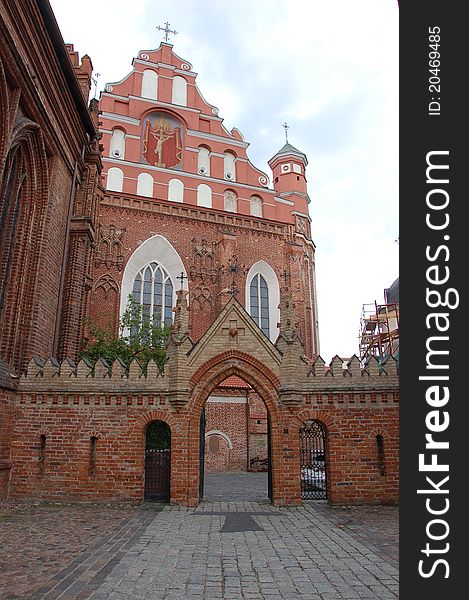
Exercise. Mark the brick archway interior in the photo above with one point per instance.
(262, 382)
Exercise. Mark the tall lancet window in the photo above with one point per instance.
(259, 302)
(10, 202)
(153, 290)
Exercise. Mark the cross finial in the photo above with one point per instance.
(182, 277)
(166, 30)
(286, 127)
(95, 81)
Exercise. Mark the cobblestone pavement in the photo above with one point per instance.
(224, 549)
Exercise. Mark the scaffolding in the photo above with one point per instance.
(379, 332)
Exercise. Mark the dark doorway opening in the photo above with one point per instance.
(157, 461)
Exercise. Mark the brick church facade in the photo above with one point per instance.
(147, 195)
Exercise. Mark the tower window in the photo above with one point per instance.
(259, 302)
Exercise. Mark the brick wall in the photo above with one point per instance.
(68, 421)
(6, 428)
(138, 219)
(230, 418)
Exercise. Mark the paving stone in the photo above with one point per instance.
(313, 552)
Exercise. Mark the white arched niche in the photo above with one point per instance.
(204, 195)
(270, 278)
(179, 95)
(145, 185)
(229, 166)
(117, 147)
(115, 179)
(150, 84)
(176, 190)
(159, 250)
(222, 434)
(203, 161)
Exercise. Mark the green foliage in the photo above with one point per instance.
(138, 339)
(158, 436)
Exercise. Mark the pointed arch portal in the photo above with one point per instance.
(208, 377)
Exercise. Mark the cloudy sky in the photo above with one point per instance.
(328, 68)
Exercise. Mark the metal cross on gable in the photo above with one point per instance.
(166, 30)
(286, 127)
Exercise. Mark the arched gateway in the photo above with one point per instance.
(354, 404)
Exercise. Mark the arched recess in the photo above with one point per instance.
(145, 185)
(115, 179)
(331, 433)
(150, 84)
(23, 205)
(157, 460)
(229, 165)
(204, 195)
(203, 161)
(176, 190)
(137, 439)
(117, 145)
(221, 434)
(157, 249)
(204, 381)
(265, 270)
(179, 94)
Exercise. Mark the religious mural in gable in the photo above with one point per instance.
(162, 141)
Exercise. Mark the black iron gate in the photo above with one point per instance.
(157, 461)
(201, 454)
(313, 461)
(269, 459)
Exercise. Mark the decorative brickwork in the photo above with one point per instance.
(71, 250)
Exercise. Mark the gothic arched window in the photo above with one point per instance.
(259, 302)
(153, 290)
(9, 212)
